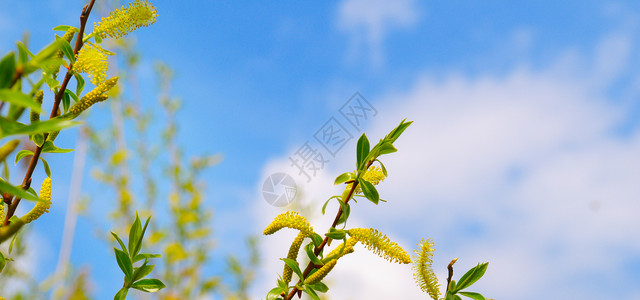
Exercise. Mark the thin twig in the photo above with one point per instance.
(450, 268)
(26, 182)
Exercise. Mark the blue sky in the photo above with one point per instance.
(524, 150)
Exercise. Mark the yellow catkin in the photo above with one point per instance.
(380, 244)
(2, 211)
(294, 249)
(140, 13)
(92, 59)
(35, 116)
(423, 270)
(96, 95)
(7, 148)
(374, 175)
(41, 206)
(341, 250)
(321, 273)
(290, 219)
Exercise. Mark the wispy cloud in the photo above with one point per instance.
(369, 22)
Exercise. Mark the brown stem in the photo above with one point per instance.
(450, 268)
(26, 182)
(326, 239)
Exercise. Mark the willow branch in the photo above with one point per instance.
(26, 182)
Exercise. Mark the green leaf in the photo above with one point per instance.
(66, 101)
(22, 154)
(309, 290)
(346, 211)
(386, 148)
(456, 297)
(6, 187)
(124, 262)
(336, 234)
(142, 271)
(384, 170)
(134, 236)
(42, 58)
(275, 293)
(396, 132)
(3, 262)
(316, 238)
(122, 294)
(314, 259)
(19, 99)
(23, 53)
(64, 28)
(124, 248)
(45, 164)
(320, 287)
(148, 285)
(344, 177)
(37, 139)
(362, 150)
(142, 256)
(473, 295)
(7, 70)
(66, 49)
(79, 84)
(49, 147)
(8, 127)
(473, 275)
(294, 266)
(369, 191)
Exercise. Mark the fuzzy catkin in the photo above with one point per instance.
(423, 270)
(294, 249)
(321, 273)
(98, 94)
(290, 219)
(380, 244)
(41, 206)
(140, 13)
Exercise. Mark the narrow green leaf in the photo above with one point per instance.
(124, 262)
(66, 49)
(294, 266)
(8, 127)
(66, 101)
(275, 293)
(384, 170)
(64, 28)
(21, 154)
(6, 187)
(122, 294)
(124, 248)
(336, 234)
(134, 235)
(49, 147)
(386, 148)
(346, 211)
(309, 290)
(23, 53)
(142, 256)
(148, 285)
(45, 164)
(41, 59)
(473, 295)
(79, 84)
(369, 191)
(316, 238)
(19, 99)
(309, 249)
(142, 271)
(7, 70)
(362, 150)
(3, 262)
(473, 275)
(320, 287)
(344, 177)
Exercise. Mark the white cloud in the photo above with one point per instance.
(521, 170)
(369, 22)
